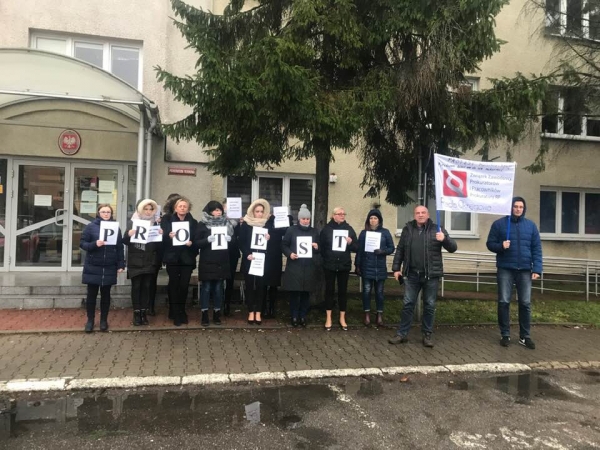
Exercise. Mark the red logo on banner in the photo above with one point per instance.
(455, 183)
(69, 142)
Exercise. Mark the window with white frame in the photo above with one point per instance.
(458, 224)
(571, 112)
(278, 190)
(571, 213)
(575, 18)
(121, 58)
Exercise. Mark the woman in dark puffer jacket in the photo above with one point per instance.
(102, 263)
(143, 262)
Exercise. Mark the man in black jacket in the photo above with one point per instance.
(419, 255)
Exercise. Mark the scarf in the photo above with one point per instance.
(253, 221)
(212, 221)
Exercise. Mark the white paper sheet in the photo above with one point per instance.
(154, 234)
(106, 186)
(372, 241)
(109, 232)
(304, 247)
(87, 208)
(220, 243)
(234, 207)
(281, 216)
(258, 240)
(182, 233)
(89, 196)
(339, 242)
(142, 230)
(257, 265)
(42, 200)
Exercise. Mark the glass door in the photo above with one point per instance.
(39, 225)
(92, 186)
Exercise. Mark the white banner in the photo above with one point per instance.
(258, 241)
(220, 243)
(339, 242)
(234, 207)
(473, 186)
(182, 233)
(304, 247)
(257, 265)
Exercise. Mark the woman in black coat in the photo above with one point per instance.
(337, 263)
(273, 267)
(300, 273)
(102, 263)
(213, 267)
(256, 216)
(179, 259)
(143, 261)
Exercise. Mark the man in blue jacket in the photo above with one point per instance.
(518, 251)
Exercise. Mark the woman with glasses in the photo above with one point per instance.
(102, 263)
(338, 241)
(143, 262)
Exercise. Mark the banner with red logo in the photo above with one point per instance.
(473, 186)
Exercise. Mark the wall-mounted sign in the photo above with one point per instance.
(189, 171)
(69, 142)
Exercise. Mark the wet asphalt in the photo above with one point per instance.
(556, 410)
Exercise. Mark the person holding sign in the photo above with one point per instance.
(143, 257)
(214, 234)
(419, 260)
(179, 254)
(518, 250)
(300, 244)
(253, 239)
(102, 263)
(273, 264)
(374, 244)
(338, 240)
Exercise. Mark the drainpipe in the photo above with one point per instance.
(153, 125)
(140, 157)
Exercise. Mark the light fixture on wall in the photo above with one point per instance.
(333, 178)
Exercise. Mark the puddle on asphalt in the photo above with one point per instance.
(524, 387)
(162, 412)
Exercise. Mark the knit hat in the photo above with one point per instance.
(212, 205)
(304, 213)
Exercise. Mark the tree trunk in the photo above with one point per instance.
(322, 187)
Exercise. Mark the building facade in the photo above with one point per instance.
(47, 189)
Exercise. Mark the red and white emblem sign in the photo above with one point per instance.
(455, 183)
(69, 142)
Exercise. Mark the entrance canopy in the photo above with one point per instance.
(27, 74)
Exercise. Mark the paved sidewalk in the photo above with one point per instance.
(184, 353)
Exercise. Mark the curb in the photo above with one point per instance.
(70, 384)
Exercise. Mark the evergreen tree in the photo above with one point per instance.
(295, 79)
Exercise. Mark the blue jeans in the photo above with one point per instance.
(507, 278)
(366, 294)
(413, 283)
(214, 287)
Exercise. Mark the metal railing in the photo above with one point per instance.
(567, 275)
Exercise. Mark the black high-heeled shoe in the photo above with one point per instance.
(344, 327)
(251, 321)
(327, 328)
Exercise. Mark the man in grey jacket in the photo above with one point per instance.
(419, 259)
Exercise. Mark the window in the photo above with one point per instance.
(120, 58)
(291, 191)
(570, 213)
(576, 18)
(571, 112)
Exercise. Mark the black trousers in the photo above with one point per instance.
(90, 301)
(152, 293)
(233, 262)
(179, 283)
(342, 285)
(140, 290)
(255, 293)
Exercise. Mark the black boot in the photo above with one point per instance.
(137, 318)
(144, 317)
(205, 322)
(171, 311)
(183, 314)
(227, 308)
(174, 311)
(103, 325)
(89, 326)
(217, 317)
(272, 311)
